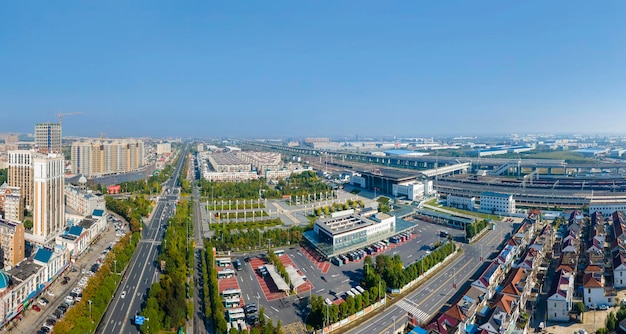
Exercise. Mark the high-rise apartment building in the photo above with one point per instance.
(48, 137)
(11, 243)
(48, 201)
(96, 157)
(20, 165)
(11, 204)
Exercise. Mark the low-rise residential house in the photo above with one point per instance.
(464, 311)
(595, 246)
(507, 256)
(619, 270)
(443, 324)
(596, 228)
(530, 261)
(593, 269)
(559, 302)
(569, 246)
(501, 317)
(594, 291)
(618, 230)
(524, 235)
(518, 285)
(489, 279)
(568, 262)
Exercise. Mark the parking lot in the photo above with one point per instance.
(325, 279)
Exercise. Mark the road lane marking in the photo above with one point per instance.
(345, 280)
(320, 290)
(275, 309)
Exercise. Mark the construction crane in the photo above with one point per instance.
(60, 115)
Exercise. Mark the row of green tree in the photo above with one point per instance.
(236, 204)
(397, 276)
(99, 290)
(167, 306)
(217, 309)
(252, 189)
(280, 267)
(185, 185)
(152, 185)
(303, 184)
(131, 209)
(3, 175)
(475, 228)
(259, 224)
(322, 314)
(257, 239)
(241, 214)
(349, 204)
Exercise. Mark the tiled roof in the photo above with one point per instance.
(43, 255)
(590, 281)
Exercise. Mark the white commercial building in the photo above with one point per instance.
(606, 206)
(164, 148)
(83, 201)
(352, 229)
(466, 203)
(48, 199)
(413, 190)
(497, 202)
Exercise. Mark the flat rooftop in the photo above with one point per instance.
(25, 269)
(393, 174)
(344, 224)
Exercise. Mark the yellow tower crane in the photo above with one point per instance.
(60, 115)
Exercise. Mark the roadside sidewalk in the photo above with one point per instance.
(32, 320)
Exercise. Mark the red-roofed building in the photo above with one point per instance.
(114, 189)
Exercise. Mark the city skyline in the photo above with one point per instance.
(280, 70)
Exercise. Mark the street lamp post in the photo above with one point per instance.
(90, 311)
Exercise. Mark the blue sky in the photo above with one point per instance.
(316, 68)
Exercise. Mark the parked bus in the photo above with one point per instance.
(231, 293)
(223, 262)
(235, 314)
(279, 252)
(226, 273)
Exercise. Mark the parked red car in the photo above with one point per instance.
(36, 308)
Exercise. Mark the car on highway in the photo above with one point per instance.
(123, 294)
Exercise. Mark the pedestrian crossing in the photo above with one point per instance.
(418, 314)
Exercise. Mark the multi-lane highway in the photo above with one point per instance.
(199, 321)
(142, 270)
(437, 291)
